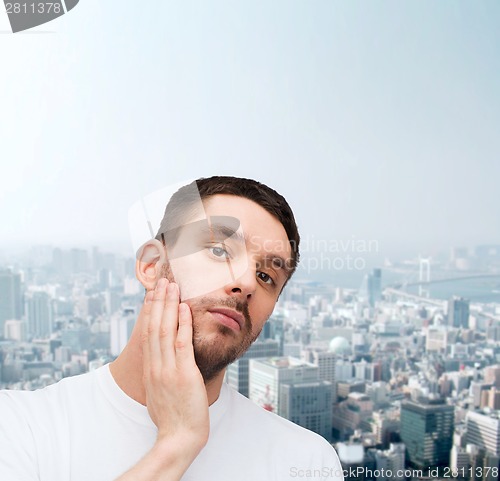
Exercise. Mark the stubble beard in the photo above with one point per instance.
(213, 356)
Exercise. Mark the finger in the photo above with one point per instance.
(184, 344)
(153, 328)
(169, 324)
(145, 313)
(146, 305)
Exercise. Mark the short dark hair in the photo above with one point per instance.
(186, 198)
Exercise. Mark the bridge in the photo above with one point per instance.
(400, 285)
(436, 302)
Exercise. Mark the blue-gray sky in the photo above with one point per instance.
(377, 120)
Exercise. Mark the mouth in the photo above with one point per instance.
(229, 318)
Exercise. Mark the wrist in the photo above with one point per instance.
(167, 460)
(178, 450)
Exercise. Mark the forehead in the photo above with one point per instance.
(261, 230)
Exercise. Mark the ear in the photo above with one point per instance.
(151, 257)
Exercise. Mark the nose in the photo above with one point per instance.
(243, 286)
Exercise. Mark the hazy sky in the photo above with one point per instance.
(377, 120)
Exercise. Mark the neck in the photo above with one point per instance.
(127, 373)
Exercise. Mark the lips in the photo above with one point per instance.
(229, 317)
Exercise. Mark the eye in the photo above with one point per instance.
(266, 278)
(219, 252)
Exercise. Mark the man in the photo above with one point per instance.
(160, 411)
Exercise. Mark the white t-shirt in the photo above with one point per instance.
(85, 428)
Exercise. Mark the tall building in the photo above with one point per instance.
(385, 426)
(458, 312)
(478, 391)
(352, 414)
(15, 329)
(493, 401)
(237, 372)
(267, 331)
(308, 404)
(10, 297)
(459, 459)
(277, 330)
(492, 375)
(427, 431)
(371, 287)
(375, 286)
(343, 370)
(79, 260)
(391, 460)
(39, 314)
(437, 339)
(483, 430)
(266, 375)
(77, 338)
(362, 369)
(120, 330)
(104, 279)
(326, 362)
(344, 388)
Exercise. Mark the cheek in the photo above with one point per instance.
(198, 276)
(260, 312)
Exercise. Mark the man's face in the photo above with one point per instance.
(230, 282)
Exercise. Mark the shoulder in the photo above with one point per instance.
(291, 450)
(30, 404)
(280, 434)
(34, 428)
(250, 413)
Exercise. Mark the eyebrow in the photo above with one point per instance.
(224, 231)
(278, 262)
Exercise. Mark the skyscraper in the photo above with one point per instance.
(237, 372)
(427, 431)
(121, 330)
(483, 430)
(266, 376)
(77, 338)
(10, 297)
(371, 287)
(308, 404)
(15, 329)
(458, 312)
(492, 375)
(39, 314)
(326, 361)
(392, 460)
(375, 289)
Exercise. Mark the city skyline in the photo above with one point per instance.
(470, 273)
(397, 382)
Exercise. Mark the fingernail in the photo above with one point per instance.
(172, 289)
(149, 297)
(161, 283)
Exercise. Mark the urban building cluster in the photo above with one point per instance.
(404, 385)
